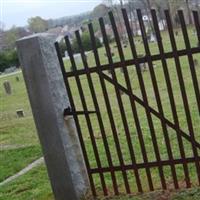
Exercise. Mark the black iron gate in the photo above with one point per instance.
(115, 101)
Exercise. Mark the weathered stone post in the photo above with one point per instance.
(48, 98)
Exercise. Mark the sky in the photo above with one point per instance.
(16, 12)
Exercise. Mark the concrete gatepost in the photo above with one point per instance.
(48, 99)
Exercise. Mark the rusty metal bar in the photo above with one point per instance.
(183, 91)
(150, 165)
(87, 163)
(133, 107)
(197, 25)
(116, 65)
(89, 124)
(120, 103)
(171, 96)
(190, 57)
(94, 98)
(107, 101)
(158, 99)
(99, 69)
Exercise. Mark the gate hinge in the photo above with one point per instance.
(69, 112)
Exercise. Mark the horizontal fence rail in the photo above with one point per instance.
(119, 159)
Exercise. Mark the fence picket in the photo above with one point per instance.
(143, 101)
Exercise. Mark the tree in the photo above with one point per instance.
(86, 42)
(10, 37)
(100, 11)
(108, 3)
(37, 24)
(8, 59)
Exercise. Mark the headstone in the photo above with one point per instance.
(152, 38)
(7, 87)
(121, 92)
(77, 58)
(85, 56)
(112, 54)
(148, 37)
(20, 113)
(140, 55)
(154, 65)
(71, 69)
(17, 78)
(125, 42)
(196, 63)
(143, 66)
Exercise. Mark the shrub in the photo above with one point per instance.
(8, 59)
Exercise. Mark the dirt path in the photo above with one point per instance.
(23, 171)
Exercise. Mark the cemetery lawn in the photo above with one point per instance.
(20, 133)
(14, 160)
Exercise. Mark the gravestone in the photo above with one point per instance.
(112, 54)
(7, 87)
(194, 32)
(143, 67)
(71, 69)
(148, 37)
(196, 63)
(20, 113)
(121, 92)
(152, 38)
(17, 78)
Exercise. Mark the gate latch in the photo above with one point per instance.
(70, 112)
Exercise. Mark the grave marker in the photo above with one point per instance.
(7, 87)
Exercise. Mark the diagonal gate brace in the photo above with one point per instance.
(150, 109)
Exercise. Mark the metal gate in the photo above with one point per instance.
(133, 137)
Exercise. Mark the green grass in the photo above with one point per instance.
(35, 186)
(15, 131)
(14, 160)
(31, 186)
